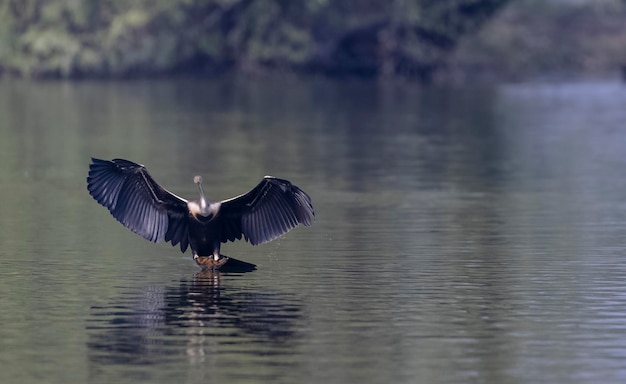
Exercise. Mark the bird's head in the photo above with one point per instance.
(202, 207)
(203, 203)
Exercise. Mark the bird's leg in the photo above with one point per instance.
(215, 261)
(216, 251)
(218, 258)
(209, 262)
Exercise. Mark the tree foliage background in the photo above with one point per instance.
(71, 38)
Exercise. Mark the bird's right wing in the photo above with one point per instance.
(269, 210)
(138, 202)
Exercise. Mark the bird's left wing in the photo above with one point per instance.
(269, 210)
(138, 202)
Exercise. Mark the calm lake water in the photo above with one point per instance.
(463, 235)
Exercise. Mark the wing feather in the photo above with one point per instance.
(284, 222)
(130, 194)
(269, 210)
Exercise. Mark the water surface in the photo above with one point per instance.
(462, 235)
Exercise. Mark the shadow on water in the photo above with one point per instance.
(232, 265)
(206, 314)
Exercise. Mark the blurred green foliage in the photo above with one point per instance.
(540, 39)
(70, 38)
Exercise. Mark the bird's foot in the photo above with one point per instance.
(209, 262)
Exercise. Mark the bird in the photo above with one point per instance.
(133, 197)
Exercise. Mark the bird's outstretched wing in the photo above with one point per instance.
(137, 201)
(271, 209)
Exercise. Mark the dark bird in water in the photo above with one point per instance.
(269, 210)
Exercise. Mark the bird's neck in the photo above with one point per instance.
(203, 204)
(202, 207)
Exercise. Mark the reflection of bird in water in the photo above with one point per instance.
(206, 314)
(269, 210)
(210, 301)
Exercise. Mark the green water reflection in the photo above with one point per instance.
(462, 235)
